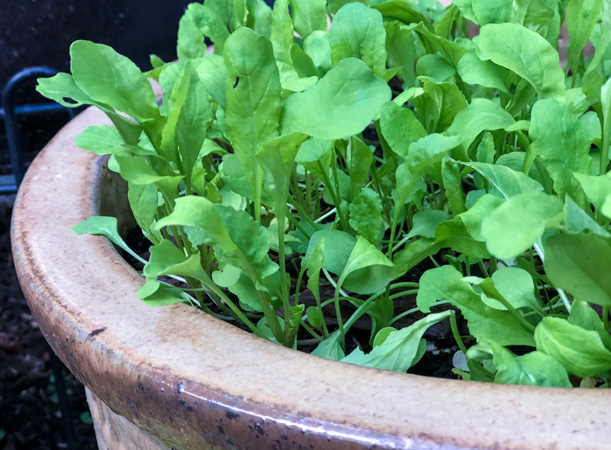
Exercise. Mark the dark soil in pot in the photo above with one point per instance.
(29, 412)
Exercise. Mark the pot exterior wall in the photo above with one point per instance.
(191, 381)
(115, 432)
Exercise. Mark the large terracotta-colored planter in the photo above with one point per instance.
(176, 377)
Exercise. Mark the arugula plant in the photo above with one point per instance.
(327, 150)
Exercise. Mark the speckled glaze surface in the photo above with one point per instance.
(192, 381)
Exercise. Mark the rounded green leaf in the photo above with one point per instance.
(516, 286)
(485, 73)
(111, 78)
(339, 105)
(400, 348)
(580, 351)
(367, 270)
(400, 128)
(533, 369)
(580, 264)
(481, 115)
(526, 53)
(336, 252)
(358, 31)
(515, 226)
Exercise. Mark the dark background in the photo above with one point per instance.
(39, 33)
(34, 33)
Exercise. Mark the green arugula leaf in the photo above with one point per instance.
(561, 142)
(399, 350)
(213, 75)
(102, 140)
(277, 158)
(400, 128)
(425, 223)
(154, 293)
(484, 73)
(136, 170)
(253, 99)
(335, 256)
(110, 78)
(192, 122)
(436, 68)
(526, 53)
(340, 104)
(313, 262)
(516, 286)
(318, 48)
(367, 270)
(580, 351)
(282, 31)
(330, 348)
(433, 284)
(259, 16)
(523, 217)
(240, 284)
(315, 317)
(594, 76)
(578, 220)
(309, 16)
(358, 160)
(313, 151)
(143, 200)
(303, 64)
(209, 24)
(401, 51)
(250, 238)
(429, 150)
(452, 183)
(474, 216)
(578, 263)
(507, 181)
(481, 115)
(485, 323)
(103, 226)
(596, 188)
(454, 235)
(541, 16)
(202, 221)
(439, 104)
(190, 44)
(581, 16)
(61, 87)
(605, 99)
(584, 316)
(366, 214)
(492, 11)
(451, 51)
(532, 369)
(399, 10)
(357, 31)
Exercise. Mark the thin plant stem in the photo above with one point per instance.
(456, 334)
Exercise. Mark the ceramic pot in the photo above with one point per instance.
(173, 376)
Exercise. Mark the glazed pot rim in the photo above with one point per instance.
(163, 376)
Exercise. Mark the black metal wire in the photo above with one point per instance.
(10, 111)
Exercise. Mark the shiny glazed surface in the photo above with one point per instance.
(193, 381)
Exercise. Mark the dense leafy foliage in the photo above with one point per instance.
(297, 174)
